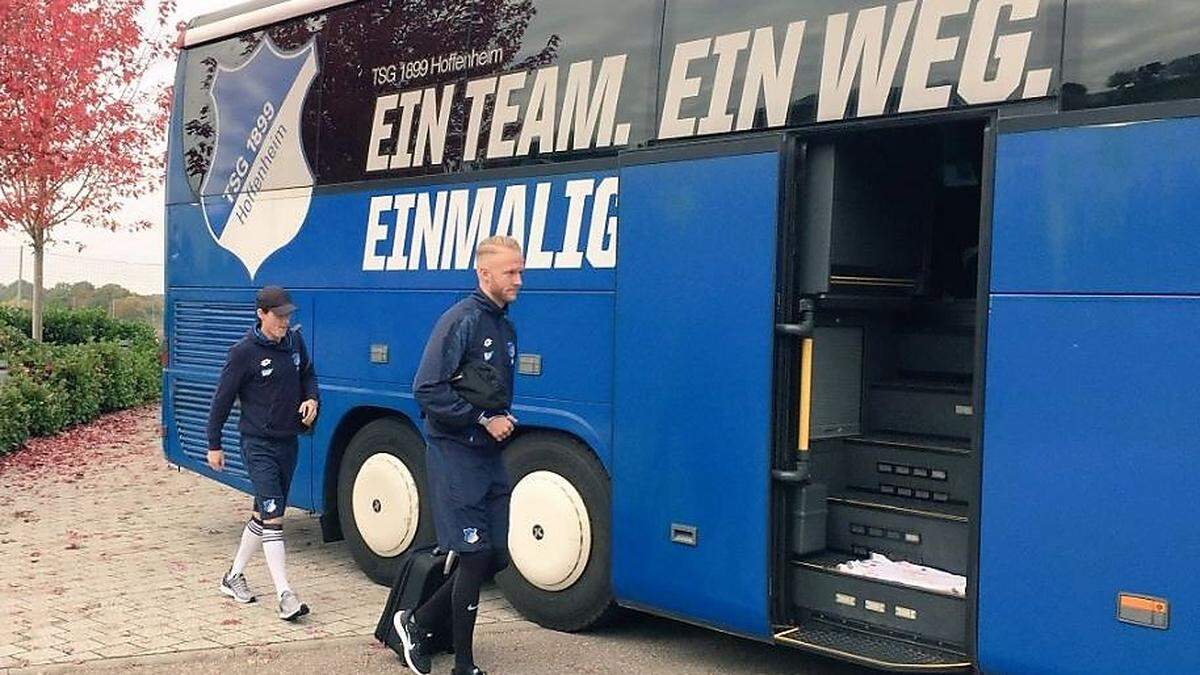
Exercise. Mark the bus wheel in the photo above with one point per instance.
(379, 490)
(558, 536)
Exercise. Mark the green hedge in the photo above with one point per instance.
(77, 326)
(99, 366)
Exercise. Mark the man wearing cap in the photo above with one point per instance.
(270, 373)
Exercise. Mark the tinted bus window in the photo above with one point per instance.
(202, 69)
(828, 60)
(1120, 52)
(413, 88)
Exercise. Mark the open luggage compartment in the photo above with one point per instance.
(883, 394)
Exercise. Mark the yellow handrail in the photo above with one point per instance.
(806, 356)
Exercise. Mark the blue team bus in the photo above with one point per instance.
(894, 357)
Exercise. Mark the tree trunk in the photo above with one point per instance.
(39, 250)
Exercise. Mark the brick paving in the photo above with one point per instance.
(122, 556)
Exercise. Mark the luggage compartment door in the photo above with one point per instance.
(692, 389)
(1089, 509)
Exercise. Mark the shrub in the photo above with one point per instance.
(47, 407)
(16, 318)
(77, 326)
(11, 339)
(14, 417)
(75, 369)
(90, 364)
(118, 376)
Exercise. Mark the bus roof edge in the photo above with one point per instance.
(248, 16)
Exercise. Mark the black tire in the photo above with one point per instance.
(399, 440)
(589, 601)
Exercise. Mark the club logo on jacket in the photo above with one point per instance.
(470, 535)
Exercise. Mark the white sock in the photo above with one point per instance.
(272, 543)
(251, 540)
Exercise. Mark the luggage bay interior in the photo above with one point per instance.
(885, 265)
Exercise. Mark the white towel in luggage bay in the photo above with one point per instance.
(259, 187)
(885, 569)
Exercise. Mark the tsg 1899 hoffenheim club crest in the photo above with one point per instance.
(258, 189)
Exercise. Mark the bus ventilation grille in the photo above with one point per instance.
(203, 332)
(191, 400)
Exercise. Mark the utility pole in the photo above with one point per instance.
(20, 271)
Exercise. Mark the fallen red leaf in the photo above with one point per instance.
(72, 454)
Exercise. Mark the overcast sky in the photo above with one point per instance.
(132, 259)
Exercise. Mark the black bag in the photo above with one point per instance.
(479, 383)
(420, 576)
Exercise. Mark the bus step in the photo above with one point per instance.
(926, 534)
(904, 467)
(936, 617)
(869, 649)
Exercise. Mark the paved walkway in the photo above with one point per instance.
(106, 551)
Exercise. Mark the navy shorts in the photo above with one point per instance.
(270, 462)
(470, 494)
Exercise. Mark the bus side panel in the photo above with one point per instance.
(570, 332)
(1089, 458)
(1104, 209)
(694, 336)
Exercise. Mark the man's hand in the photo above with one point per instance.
(216, 459)
(308, 412)
(500, 427)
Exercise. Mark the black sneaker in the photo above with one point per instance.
(415, 640)
(475, 670)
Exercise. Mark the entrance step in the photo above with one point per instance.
(870, 649)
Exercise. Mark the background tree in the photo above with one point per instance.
(79, 135)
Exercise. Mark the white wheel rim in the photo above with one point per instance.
(387, 508)
(549, 536)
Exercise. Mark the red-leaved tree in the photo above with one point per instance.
(80, 128)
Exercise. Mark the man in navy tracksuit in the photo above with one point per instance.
(467, 480)
(270, 373)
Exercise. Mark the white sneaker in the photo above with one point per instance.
(290, 607)
(236, 587)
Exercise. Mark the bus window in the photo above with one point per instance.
(1106, 63)
(201, 71)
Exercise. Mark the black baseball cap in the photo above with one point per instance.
(275, 299)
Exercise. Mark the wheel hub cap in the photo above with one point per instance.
(550, 538)
(386, 504)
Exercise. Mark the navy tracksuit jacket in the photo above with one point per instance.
(466, 473)
(270, 379)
